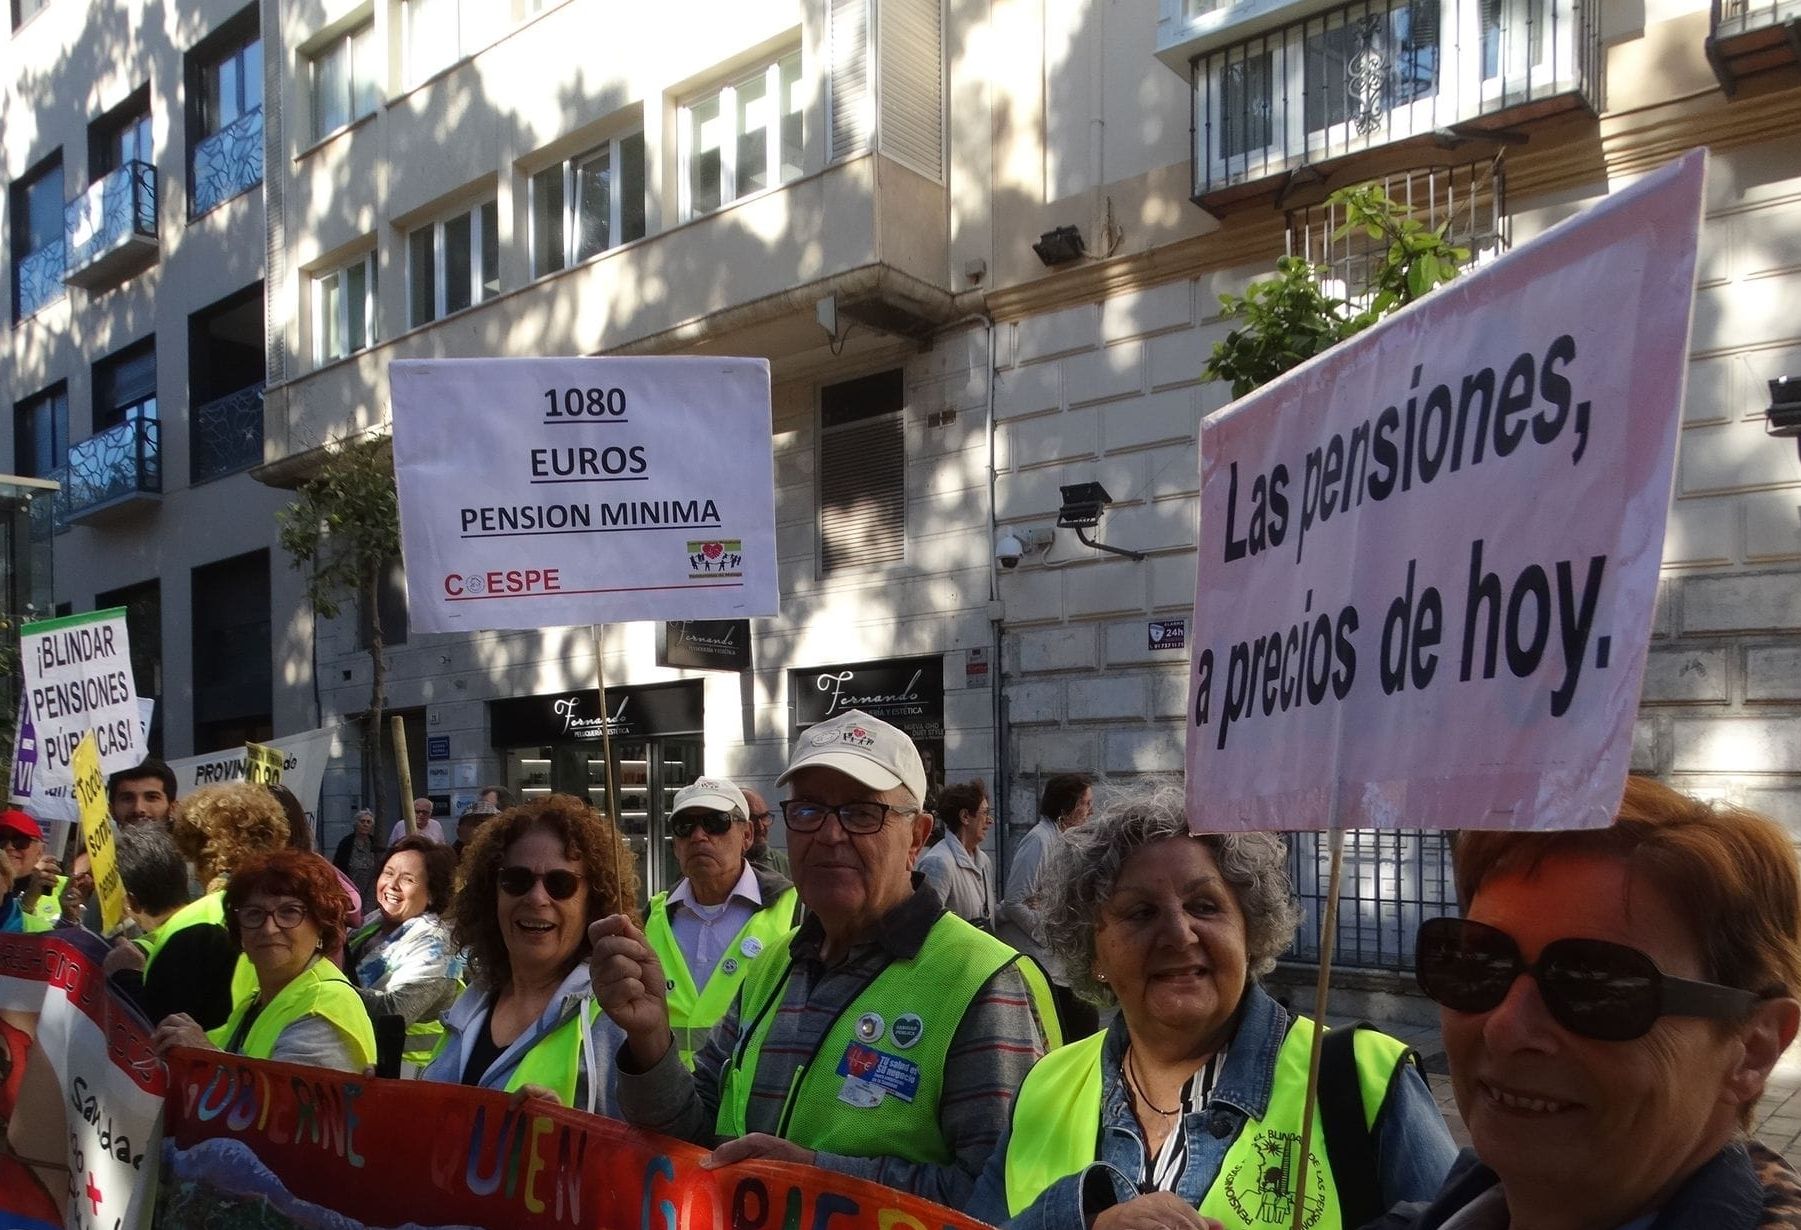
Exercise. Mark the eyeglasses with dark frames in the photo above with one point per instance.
(287, 916)
(861, 819)
(716, 823)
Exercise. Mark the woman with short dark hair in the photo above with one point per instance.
(404, 962)
(285, 911)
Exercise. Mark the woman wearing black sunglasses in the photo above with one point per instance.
(1613, 1002)
(534, 877)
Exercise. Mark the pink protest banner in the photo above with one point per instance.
(271, 1144)
(1428, 558)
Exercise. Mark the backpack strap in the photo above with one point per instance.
(1350, 1142)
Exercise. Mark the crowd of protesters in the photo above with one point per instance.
(1083, 1044)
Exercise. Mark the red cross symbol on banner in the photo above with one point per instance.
(93, 1195)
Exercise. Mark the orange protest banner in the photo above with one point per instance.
(386, 1152)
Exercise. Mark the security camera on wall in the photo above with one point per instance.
(1013, 546)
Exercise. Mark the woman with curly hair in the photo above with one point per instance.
(286, 911)
(192, 966)
(1189, 1105)
(534, 878)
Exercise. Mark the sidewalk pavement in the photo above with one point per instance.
(1778, 1121)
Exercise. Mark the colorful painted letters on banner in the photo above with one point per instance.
(1428, 557)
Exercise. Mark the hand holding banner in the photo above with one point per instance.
(1428, 557)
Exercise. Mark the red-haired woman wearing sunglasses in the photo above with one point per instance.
(533, 879)
(1612, 1003)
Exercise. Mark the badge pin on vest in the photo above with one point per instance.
(870, 1027)
(907, 1030)
(752, 947)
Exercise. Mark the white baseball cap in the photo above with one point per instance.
(711, 792)
(863, 748)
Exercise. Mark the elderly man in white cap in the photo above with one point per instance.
(884, 1037)
(710, 929)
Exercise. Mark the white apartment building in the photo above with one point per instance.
(982, 246)
(132, 365)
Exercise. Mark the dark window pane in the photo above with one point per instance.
(631, 187)
(547, 220)
(458, 263)
(594, 208)
(490, 218)
(421, 276)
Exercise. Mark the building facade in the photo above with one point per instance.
(133, 361)
(982, 246)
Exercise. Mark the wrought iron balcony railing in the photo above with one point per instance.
(1377, 72)
(113, 468)
(38, 279)
(1751, 36)
(227, 434)
(227, 163)
(111, 228)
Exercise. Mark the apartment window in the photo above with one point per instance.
(344, 309)
(125, 386)
(453, 263)
(39, 256)
(120, 137)
(389, 605)
(233, 653)
(25, 10)
(862, 474)
(346, 75)
(231, 85)
(434, 35)
(588, 204)
(742, 139)
(41, 432)
(143, 605)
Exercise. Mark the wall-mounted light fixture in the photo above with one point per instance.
(1083, 504)
(1785, 406)
(1060, 246)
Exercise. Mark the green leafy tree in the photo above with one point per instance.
(1291, 317)
(344, 529)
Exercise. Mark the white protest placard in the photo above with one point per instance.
(547, 492)
(1428, 557)
(303, 760)
(78, 678)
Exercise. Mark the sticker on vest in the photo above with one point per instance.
(860, 1093)
(669, 984)
(908, 1029)
(889, 1073)
(752, 947)
(1260, 1187)
(870, 1026)
(729, 966)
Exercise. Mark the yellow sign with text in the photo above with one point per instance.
(262, 764)
(97, 830)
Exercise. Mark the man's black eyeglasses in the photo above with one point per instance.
(16, 841)
(559, 884)
(859, 818)
(716, 823)
(1593, 988)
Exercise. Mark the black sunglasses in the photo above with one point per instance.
(716, 823)
(559, 884)
(1593, 988)
(16, 841)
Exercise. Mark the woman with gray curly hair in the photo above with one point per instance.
(1186, 1110)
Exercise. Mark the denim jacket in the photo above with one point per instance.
(1414, 1149)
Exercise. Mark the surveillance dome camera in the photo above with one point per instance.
(1007, 551)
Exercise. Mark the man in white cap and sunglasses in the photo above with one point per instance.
(884, 1037)
(710, 929)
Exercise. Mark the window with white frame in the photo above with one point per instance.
(346, 80)
(742, 139)
(588, 204)
(344, 309)
(453, 263)
(435, 34)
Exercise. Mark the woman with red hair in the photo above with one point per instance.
(285, 911)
